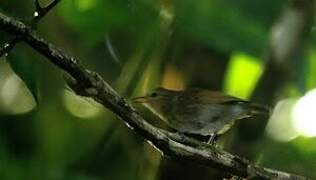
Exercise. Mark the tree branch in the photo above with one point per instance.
(87, 83)
(39, 13)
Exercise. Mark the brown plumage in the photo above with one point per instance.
(199, 111)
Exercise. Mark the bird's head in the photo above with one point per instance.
(158, 101)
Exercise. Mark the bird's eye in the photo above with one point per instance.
(154, 94)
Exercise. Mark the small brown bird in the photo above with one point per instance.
(199, 111)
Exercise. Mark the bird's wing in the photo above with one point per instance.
(208, 97)
(218, 97)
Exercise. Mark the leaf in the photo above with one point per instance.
(21, 63)
(227, 25)
(91, 19)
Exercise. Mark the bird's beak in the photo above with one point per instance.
(140, 99)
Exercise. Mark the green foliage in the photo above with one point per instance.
(296, 156)
(25, 67)
(226, 25)
(64, 139)
(91, 19)
(311, 70)
(239, 82)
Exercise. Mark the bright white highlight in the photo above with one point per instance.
(15, 96)
(36, 14)
(304, 114)
(279, 126)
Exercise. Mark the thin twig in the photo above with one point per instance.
(87, 83)
(39, 13)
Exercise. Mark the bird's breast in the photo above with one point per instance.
(205, 119)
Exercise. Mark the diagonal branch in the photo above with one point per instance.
(90, 84)
(39, 13)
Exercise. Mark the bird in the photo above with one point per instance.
(199, 111)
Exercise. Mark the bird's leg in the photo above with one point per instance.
(212, 139)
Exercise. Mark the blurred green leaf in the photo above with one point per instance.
(19, 60)
(91, 19)
(311, 71)
(243, 73)
(297, 156)
(228, 25)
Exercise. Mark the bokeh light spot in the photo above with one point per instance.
(172, 79)
(279, 126)
(85, 5)
(15, 96)
(81, 107)
(242, 75)
(304, 114)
